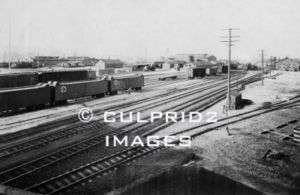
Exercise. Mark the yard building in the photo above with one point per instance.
(109, 63)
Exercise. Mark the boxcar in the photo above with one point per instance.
(72, 90)
(18, 79)
(25, 97)
(66, 76)
(211, 71)
(195, 72)
(125, 82)
(224, 69)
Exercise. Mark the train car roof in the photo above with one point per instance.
(81, 81)
(23, 87)
(126, 76)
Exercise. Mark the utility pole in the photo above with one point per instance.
(229, 42)
(262, 66)
(9, 45)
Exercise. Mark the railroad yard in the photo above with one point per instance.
(130, 97)
(51, 151)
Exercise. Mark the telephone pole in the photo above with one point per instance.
(262, 66)
(229, 42)
(9, 45)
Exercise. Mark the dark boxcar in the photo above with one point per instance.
(125, 82)
(224, 69)
(77, 89)
(66, 76)
(24, 97)
(196, 72)
(18, 79)
(211, 71)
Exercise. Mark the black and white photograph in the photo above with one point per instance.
(156, 97)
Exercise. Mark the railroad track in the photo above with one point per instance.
(12, 175)
(70, 119)
(122, 105)
(37, 142)
(16, 172)
(239, 117)
(216, 97)
(67, 180)
(69, 131)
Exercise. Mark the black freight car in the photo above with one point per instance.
(125, 82)
(211, 71)
(18, 79)
(66, 76)
(224, 69)
(25, 97)
(77, 89)
(196, 72)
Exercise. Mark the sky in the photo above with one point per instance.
(146, 29)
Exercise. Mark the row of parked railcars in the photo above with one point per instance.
(58, 92)
(199, 72)
(33, 78)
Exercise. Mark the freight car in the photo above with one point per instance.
(121, 83)
(224, 69)
(25, 97)
(196, 72)
(18, 79)
(211, 71)
(67, 76)
(78, 89)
